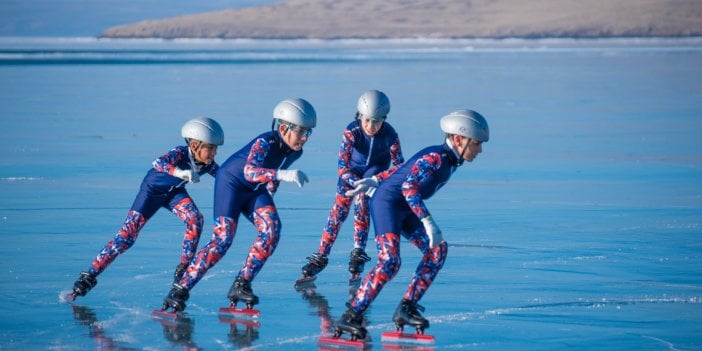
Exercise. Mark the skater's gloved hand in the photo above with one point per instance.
(433, 231)
(293, 175)
(364, 184)
(186, 174)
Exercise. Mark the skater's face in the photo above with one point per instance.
(371, 126)
(294, 136)
(467, 147)
(203, 152)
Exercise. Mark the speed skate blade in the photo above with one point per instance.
(165, 315)
(245, 313)
(337, 343)
(405, 338)
(302, 282)
(67, 296)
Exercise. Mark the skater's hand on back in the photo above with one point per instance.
(294, 176)
(186, 174)
(433, 231)
(366, 184)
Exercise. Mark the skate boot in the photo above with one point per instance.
(84, 283)
(241, 290)
(316, 264)
(406, 313)
(176, 298)
(352, 323)
(179, 271)
(357, 259)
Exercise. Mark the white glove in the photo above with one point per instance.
(433, 231)
(186, 174)
(365, 184)
(293, 175)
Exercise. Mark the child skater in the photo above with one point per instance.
(164, 186)
(369, 146)
(245, 184)
(398, 209)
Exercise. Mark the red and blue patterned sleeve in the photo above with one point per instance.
(345, 152)
(396, 159)
(422, 169)
(253, 170)
(167, 163)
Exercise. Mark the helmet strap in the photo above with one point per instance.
(463, 152)
(198, 144)
(460, 155)
(275, 126)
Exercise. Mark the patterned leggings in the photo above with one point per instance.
(389, 264)
(266, 221)
(135, 221)
(337, 216)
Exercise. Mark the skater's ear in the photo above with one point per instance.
(194, 143)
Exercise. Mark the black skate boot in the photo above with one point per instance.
(241, 290)
(406, 313)
(352, 323)
(357, 259)
(84, 283)
(316, 264)
(179, 271)
(176, 298)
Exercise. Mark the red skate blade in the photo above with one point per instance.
(165, 315)
(234, 312)
(305, 280)
(331, 343)
(399, 337)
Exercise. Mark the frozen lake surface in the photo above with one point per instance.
(579, 227)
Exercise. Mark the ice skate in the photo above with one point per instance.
(351, 322)
(83, 284)
(316, 263)
(176, 298)
(407, 313)
(241, 291)
(357, 260)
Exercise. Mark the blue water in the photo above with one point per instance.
(579, 227)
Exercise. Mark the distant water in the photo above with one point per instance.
(579, 227)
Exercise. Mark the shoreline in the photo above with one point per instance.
(99, 38)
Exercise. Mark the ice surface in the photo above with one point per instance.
(579, 227)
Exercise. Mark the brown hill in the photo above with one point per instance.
(330, 19)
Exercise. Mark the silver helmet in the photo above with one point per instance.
(296, 111)
(204, 129)
(374, 104)
(467, 123)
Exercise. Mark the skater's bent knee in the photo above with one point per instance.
(390, 264)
